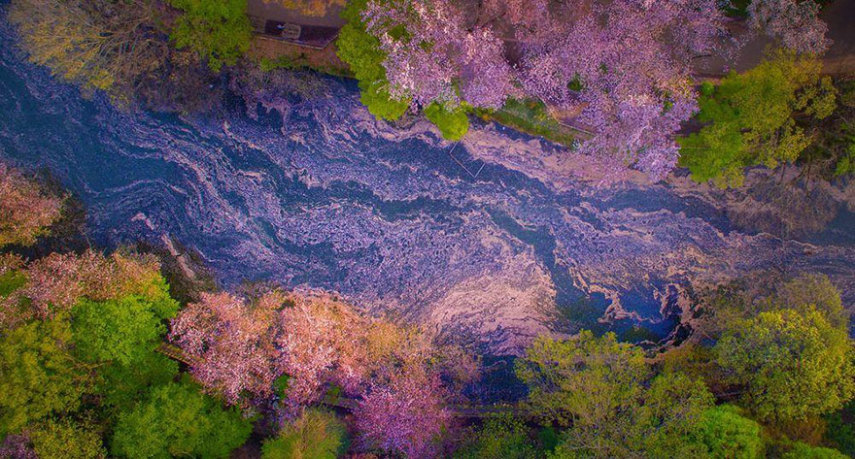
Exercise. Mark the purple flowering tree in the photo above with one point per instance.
(621, 67)
(406, 416)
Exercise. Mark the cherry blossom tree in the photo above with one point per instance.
(621, 67)
(405, 415)
(241, 347)
(795, 23)
(53, 284)
(25, 210)
(429, 50)
(233, 343)
(624, 66)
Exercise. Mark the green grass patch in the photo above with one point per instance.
(300, 62)
(529, 116)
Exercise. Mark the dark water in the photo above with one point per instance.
(322, 195)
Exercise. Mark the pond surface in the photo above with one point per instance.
(318, 194)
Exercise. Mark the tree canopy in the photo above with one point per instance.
(219, 31)
(798, 332)
(621, 68)
(177, 420)
(453, 124)
(316, 434)
(724, 433)
(66, 439)
(602, 390)
(581, 381)
(805, 451)
(792, 364)
(39, 377)
(25, 209)
(499, 438)
(751, 118)
(361, 51)
(99, 44)
(123, 331)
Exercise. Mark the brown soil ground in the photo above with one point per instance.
(324, 60)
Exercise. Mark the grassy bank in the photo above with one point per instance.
(531, 117)
(528, 116)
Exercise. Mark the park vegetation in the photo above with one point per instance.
(142, 52)
(97, 358)
(750, 118)
(621, 71)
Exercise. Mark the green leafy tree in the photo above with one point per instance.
(726, 434)
(840, 429)
(122, 386)
(121, 336)
(811, 291)
(314, 435)
(833, 152)
(122, 331)
(750, 118)
(746, 298)
(66, 439)
(670, 409)
(453, 124)
(581, 381)
(505, 438)
(218, 30)
(656, 424)
(804, 451)
(178, 420)
(602, 388)
(38, 376)
(361, 51)
(791, 363)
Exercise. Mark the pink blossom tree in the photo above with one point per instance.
(622, 66)
(405, 415)
(232, 342)
(430, 50)
(239, 348)
(55, 283)
(628, 65)
(25, 210)
(323, 341)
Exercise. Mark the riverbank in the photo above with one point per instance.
(321, 194)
